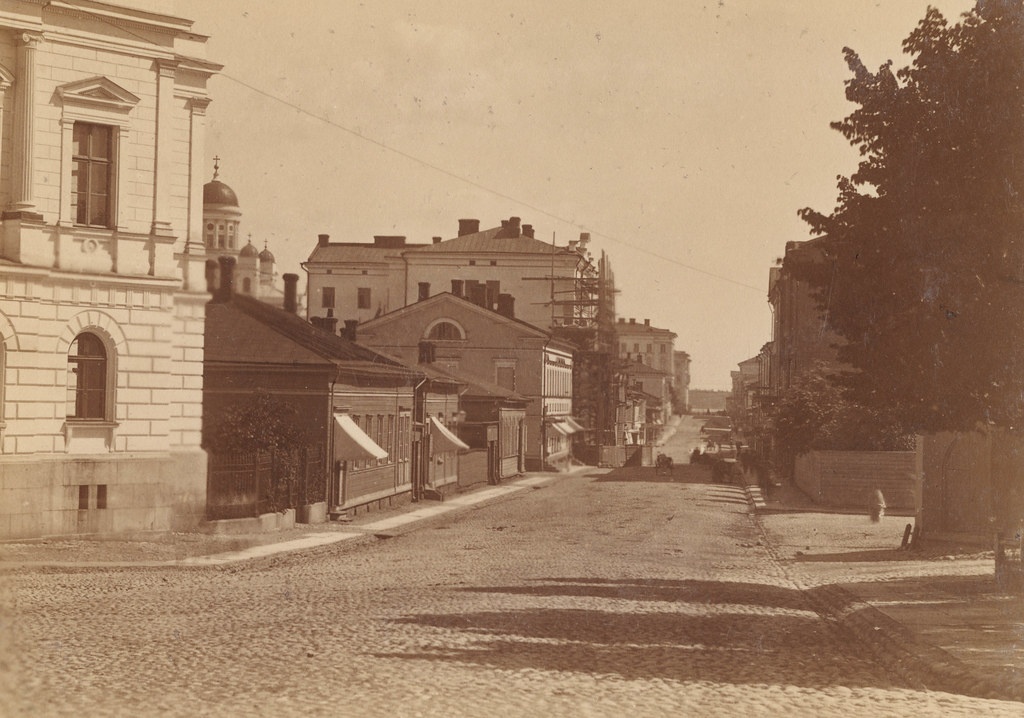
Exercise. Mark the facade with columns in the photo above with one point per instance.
(102, 268)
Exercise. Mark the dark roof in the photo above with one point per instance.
(216, 192)
(635, 367)
(623, 327)
(245, 329)
(476, 387)
(248, 251)
(356, 252)
(496, 239)
(448, 297)
(266, 255)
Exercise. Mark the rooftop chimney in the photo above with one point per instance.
(513, 225)
(468, 226)
(632, 320)
(457, 287)
(507, 306)
(528, 231)
(349, 332)
(323, 239)
(291, 282)
(437, 240)
(572, 245)
(227, 277)
(211, 276)
(584, 239)
(647, 322)
(389, 241)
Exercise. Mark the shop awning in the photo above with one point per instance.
(560, 428)
(443, 439)
(351, 442)
(574, 424)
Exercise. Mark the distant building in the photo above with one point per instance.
(457, 335)
(681, 384)
(102, 262)
(550, 285)
(801, 335)
(254, 271)
(646, 344)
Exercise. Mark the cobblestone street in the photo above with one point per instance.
(601, 594)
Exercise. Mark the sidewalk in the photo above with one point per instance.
(199, 549)
(934, 615)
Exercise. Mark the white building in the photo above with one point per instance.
(102, 261)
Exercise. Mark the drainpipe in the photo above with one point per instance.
(418, 468)
(330, 443)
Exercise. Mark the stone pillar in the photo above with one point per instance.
(22, 175)
(193, 256)
(197, 146)
(165, 74)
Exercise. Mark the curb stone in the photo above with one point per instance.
(897, 647)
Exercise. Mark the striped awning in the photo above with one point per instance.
(351, 442)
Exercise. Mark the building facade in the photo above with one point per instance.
(454, 334)
(646, 344)
(102, 285)
(360, 281)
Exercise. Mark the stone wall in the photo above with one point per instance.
(848, 479)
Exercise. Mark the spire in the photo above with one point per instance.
(216, 166)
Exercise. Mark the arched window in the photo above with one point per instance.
(444, 331)
(246, 286)
(210, 235)
(87, 378)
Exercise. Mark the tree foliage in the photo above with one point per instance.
(264, 423)
(926, 244)
(814, 413)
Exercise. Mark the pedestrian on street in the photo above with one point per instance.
(877, 508)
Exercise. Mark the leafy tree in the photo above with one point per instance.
(264, 423)
(814, 413)
(926, 244)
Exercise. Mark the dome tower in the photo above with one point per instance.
(221, 216)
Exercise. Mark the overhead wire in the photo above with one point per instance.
(459, 177)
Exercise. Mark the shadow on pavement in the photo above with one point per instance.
(680, 474)
(683, 591)
(760, 640)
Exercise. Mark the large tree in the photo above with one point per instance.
(926, 245)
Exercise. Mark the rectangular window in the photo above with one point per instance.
(83, 497)
(101, 496)
(424, 291)
(505, 377)
(92, 174)
(327, 296)
(363, 297)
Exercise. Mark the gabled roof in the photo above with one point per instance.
(497, 239)
(357, 253)
(247, 330)
(635, 367)
(460, 304)
(477, 387)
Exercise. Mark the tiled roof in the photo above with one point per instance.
(477, 387)
(358, 253)
(635, 367)
(248, 330)
(491, 240)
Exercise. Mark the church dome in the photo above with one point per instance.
(266, 255)
(216, 192)
(248, 251)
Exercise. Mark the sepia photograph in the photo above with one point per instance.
(526, 358)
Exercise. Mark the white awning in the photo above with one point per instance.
(574, 424)
(351, 442)
(560, 428)
(443, 439)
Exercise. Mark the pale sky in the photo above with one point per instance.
(683, 135)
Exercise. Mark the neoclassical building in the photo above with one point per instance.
(102, 267)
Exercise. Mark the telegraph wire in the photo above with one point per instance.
(455, 175)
